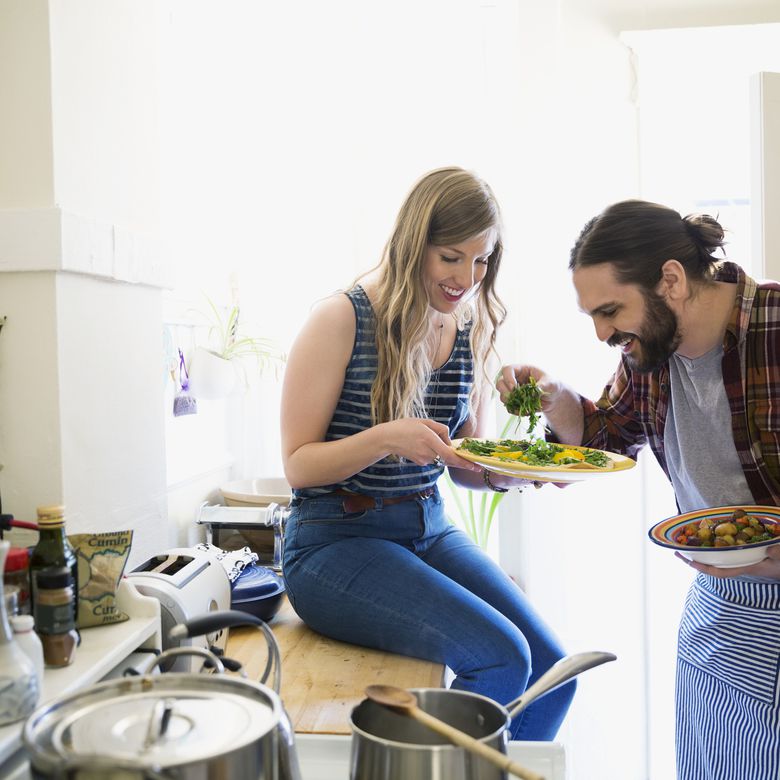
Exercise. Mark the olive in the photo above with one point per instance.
(748, 532)
(720, 542)
(722, 529)
(694, 541)
(729, 539)
(738, 513)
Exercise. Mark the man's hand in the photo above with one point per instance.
(514, 375)
(560, 405)
(769, 567)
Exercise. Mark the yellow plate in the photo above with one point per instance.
(572, 472)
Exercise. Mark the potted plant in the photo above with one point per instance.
(215, 368)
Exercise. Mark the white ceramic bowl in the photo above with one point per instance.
(256, 492)
(665, 533)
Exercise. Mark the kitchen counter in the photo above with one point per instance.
(323, 679)
(102, 648)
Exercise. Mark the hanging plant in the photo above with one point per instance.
(216, 365)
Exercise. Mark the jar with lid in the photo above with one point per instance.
(28, 641)
(19, 688)
(17, 575)
(53, 610)
(53, 551)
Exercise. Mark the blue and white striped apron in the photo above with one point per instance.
(728, 690)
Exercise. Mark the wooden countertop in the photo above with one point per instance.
(322, 679)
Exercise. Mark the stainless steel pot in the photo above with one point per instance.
(169, 726)
(387, 744)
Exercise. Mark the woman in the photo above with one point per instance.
(377, 382)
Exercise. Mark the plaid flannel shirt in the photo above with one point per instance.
(633, 407)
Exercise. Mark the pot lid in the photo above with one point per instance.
(256, 582)
(162, 720)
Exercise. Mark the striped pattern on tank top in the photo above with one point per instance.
(728, 689)
(446, 400)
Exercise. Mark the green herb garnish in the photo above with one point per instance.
(526, 401)
(534, 452)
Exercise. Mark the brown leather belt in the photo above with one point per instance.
(358, 502)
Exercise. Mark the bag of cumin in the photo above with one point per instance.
(101, 558)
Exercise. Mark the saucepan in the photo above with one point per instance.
(387, 744)
(172, 726)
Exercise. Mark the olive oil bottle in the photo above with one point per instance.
(53, 551)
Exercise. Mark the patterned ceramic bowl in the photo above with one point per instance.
(667, 532)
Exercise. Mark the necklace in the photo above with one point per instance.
(438, 343)
(433, 389)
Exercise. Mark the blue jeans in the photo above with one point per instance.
(400, 578)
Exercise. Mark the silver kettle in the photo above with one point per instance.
(171, 726)
(289, 768)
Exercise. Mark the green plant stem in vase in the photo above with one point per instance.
(477, 508)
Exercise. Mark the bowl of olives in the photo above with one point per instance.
(724, 536)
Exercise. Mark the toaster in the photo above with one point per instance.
(188, 583)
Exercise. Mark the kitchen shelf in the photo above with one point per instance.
(102, 648)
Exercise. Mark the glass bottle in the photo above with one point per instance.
(17, 574)
(29, 642)
(53, 551)
(18, 682)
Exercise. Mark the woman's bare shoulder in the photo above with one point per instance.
(336, 311)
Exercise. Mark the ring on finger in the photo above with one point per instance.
(437, 461)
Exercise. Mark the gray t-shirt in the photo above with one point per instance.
(698, 440)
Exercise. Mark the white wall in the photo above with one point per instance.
(30, 433)
(104, 101)
(25, 105)
(80, 357)
(110, 382)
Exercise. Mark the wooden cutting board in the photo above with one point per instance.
(323, 679)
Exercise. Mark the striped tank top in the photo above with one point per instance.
(446, 399)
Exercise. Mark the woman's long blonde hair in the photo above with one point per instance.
(445, 207)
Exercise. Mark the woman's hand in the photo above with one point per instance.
(422, 441)
(769, 567)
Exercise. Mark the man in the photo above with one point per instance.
(699, 381)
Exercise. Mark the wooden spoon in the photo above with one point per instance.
(406, 701)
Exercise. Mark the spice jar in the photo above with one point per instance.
(17, 574)
(53, 610)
